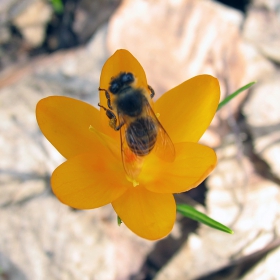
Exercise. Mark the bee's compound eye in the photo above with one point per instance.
(114, 88)
(127, 78)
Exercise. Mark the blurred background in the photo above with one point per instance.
(52, 47)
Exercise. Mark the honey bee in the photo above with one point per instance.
(140, 129)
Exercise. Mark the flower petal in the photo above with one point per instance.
(187, 110)
(193, 163)
(65, 123)
(149, 215)
(120, 61)
(89, 180)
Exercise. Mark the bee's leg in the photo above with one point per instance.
(152, 91)
(108, 97)
(112, 118)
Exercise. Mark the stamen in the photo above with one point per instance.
(133, 181)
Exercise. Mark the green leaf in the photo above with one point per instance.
(231, 96)
(119, 221)
(193, 214)
(57, 6)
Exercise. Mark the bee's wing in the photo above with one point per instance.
(132, 163)
(164, 147)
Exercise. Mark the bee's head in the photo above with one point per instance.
(118, 83)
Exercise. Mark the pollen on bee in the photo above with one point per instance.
(112, 123)
(157, 115)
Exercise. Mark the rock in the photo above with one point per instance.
(5, 5)
(4, 35)
(31, 20)
(268, 4)
(262, 26)
(268, 114)
(258, 67)
(9, 270)
(240, 199)
(262, 111)
(266, 269)
(73, 70)
(47, 240)
(87, 10)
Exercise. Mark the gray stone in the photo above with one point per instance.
(47, 240)
(267, 268)
(4, 35)
(32, 20)
(262, 26)
(86, 11)
(262, 111)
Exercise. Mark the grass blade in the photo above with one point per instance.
(119, 221)
(193, 214)
(231, 96)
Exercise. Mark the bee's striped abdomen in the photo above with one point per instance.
(141, 136)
